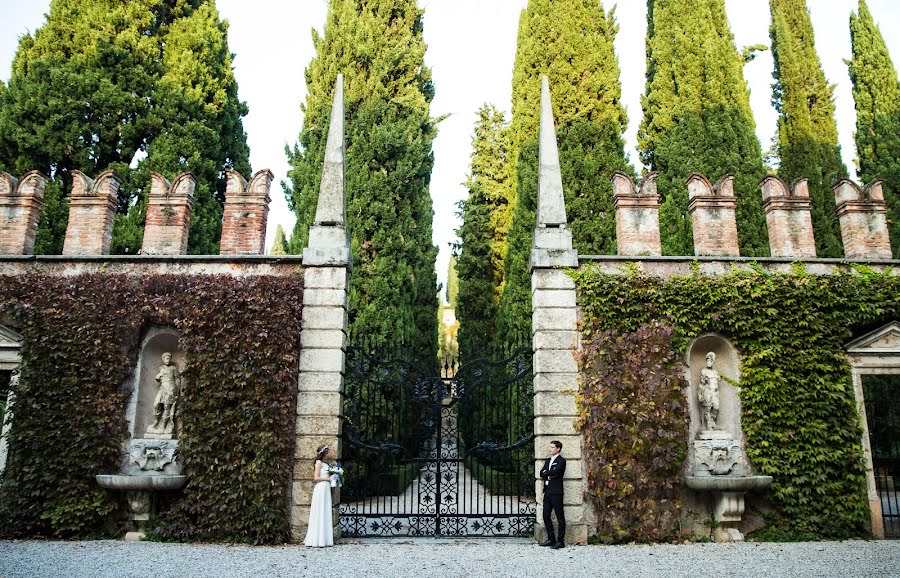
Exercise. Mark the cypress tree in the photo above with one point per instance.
(485, 217)
(807, 141)
(92, 88)
(877, 96)
(378, 46)
(571, 41)
(452, 283)
(279, 244)
(697, 118)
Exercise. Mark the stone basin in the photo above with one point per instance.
(159, 482)
(727, 483)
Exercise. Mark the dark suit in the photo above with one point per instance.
(553, 496)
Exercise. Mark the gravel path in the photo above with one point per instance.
(447, 558)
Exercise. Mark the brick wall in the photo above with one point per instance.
(168, 215)
(637, 215)
(21, 202)
(712, 209)
(245, 214)
(863, 218)
(92, 210)
(788, 217)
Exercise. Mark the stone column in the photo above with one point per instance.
(245, 214)
(863, 217)
(554, 334)
(637, 215)
(320, 391)
(20, 211)
(788, 217)
(712, 209)
(168, 215)
(92, 209)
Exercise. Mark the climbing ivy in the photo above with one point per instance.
(80, 341)
(799, 413)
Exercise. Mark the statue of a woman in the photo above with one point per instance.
(709, 393)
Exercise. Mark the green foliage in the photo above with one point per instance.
(877, 96)
(485, 216)
(379, 48)
(452, 282)
(633, 417)
(571, 42)
(799, 413)
(279, 244)
(80, 342)
(102, 82)
(697, 118)
(807, 142)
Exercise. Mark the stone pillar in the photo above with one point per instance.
(245, 214)
(92, 209)
(20, 211)
(712, 209)
(168, 215)
(863, 217)
(788, 217)
(320, 391)
(555, 334)
(637, 215)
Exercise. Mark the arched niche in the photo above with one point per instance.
(10, 358)
(728, 366)
(140, 412)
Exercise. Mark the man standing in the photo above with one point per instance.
(552, 474)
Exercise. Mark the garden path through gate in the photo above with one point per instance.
(438, 449)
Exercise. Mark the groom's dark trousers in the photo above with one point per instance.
(553, 498)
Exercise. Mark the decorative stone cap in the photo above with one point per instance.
(106, 185)
(32, 184)
(626, 194)
(777, 195)
(869, 198)
(259, 186)
(182, 188)
(703, 194)
(8, 184)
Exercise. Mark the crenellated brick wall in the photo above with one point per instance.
(21, 202)
(92, 210)
(637, 215)
(168, 215)
(712, 209)
(863, 217)
(245, 214)
(788, 217)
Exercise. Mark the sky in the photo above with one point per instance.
(471, 49)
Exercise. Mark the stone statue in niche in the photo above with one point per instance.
(709, 393)
(169, 380)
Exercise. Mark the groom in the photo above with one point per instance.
(552, 474)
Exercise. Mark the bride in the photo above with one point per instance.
(320, 532)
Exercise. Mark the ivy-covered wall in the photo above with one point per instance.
(799, 414)
(240, 336)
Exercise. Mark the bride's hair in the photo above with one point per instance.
(321, 451)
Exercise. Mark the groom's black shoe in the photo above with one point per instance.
(558, 545)
(550, 543)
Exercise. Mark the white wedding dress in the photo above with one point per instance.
(320, 533)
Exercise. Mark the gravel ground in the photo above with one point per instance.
(418, 558)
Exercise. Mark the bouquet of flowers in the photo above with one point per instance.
(337, 475)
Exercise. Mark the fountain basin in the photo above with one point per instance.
(160, 482)
(727, 483)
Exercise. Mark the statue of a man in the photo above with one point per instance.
(709, 393)
(169, 389)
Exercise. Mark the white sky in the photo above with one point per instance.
(471, 48)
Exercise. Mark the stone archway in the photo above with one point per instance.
(876, 353)
(10, 358)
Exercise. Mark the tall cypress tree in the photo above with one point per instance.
(279, 244)
(877, 96)
(697, 118)
(807, 141)
(87, 93)
(485, 222)
(571, 41)
(378, 46)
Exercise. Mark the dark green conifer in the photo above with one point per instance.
(807, 141)
(485, 218)
(379, 48)
(570, 41)
(877, 96)
(697, 118)
(279, 244)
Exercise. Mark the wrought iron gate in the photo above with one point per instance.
(882, 395)
(438, 449)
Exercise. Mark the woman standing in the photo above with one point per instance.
(319, 533)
